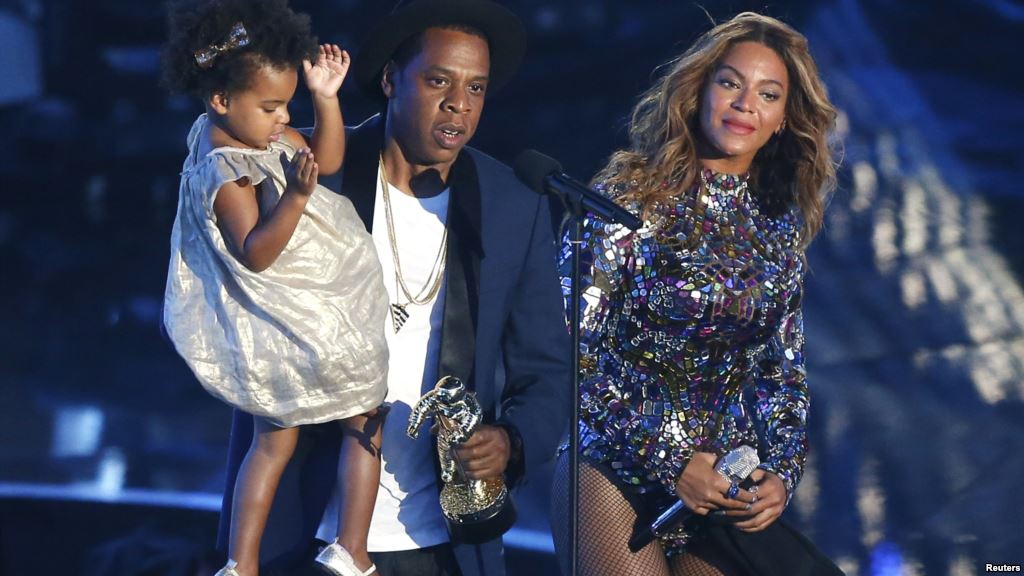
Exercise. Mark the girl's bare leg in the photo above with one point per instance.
(359, 477)
(255, 487)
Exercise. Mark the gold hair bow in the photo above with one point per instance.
(237, 38)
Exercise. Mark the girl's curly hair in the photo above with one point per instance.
(278, 37)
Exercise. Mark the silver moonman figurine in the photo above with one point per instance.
(476, 510)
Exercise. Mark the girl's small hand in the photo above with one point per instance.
(301, 172)
(325, 76)
(703, 489)
(771, 501)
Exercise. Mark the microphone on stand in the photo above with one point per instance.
(736, 465)
(544, 174)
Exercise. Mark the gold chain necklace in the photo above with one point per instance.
(426, 294)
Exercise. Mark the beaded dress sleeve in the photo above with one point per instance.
(781, 393)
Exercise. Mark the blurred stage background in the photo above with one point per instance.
(111, 456)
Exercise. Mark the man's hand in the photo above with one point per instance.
(485, 455)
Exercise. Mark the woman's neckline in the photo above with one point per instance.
(723, 181)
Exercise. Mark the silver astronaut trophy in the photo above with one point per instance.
(476, 510)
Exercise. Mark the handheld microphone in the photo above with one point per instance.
(736, 465)
(544, 174)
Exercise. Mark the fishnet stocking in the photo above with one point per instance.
(606, 521)
(702, 559)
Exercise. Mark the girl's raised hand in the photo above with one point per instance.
(325, 76)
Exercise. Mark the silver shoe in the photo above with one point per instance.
(228, 569)
(336, 560)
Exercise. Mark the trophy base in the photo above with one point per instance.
(478, 511)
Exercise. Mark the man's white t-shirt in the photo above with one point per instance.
(407, 514)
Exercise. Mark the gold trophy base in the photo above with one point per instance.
(478, 510)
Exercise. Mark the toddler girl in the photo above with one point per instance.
(274, 294)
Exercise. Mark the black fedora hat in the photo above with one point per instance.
(505, 33)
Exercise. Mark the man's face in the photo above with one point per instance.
(435, 100)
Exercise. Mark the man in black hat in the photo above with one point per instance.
(469, 262)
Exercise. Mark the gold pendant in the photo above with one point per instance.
(398, 316)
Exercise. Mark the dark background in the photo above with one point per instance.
(110, 452)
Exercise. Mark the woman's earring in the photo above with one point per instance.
(781, 127)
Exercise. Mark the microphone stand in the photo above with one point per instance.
(575, 199)
(576, 213)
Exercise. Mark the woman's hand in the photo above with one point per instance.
(771, 501)
(703, 489)
(300, 173)
(325, 76)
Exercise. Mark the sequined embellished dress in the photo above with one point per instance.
(692, 337)
(301, 342)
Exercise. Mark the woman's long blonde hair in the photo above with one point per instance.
(795, 167)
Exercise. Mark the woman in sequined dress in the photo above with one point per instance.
(691, 333)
